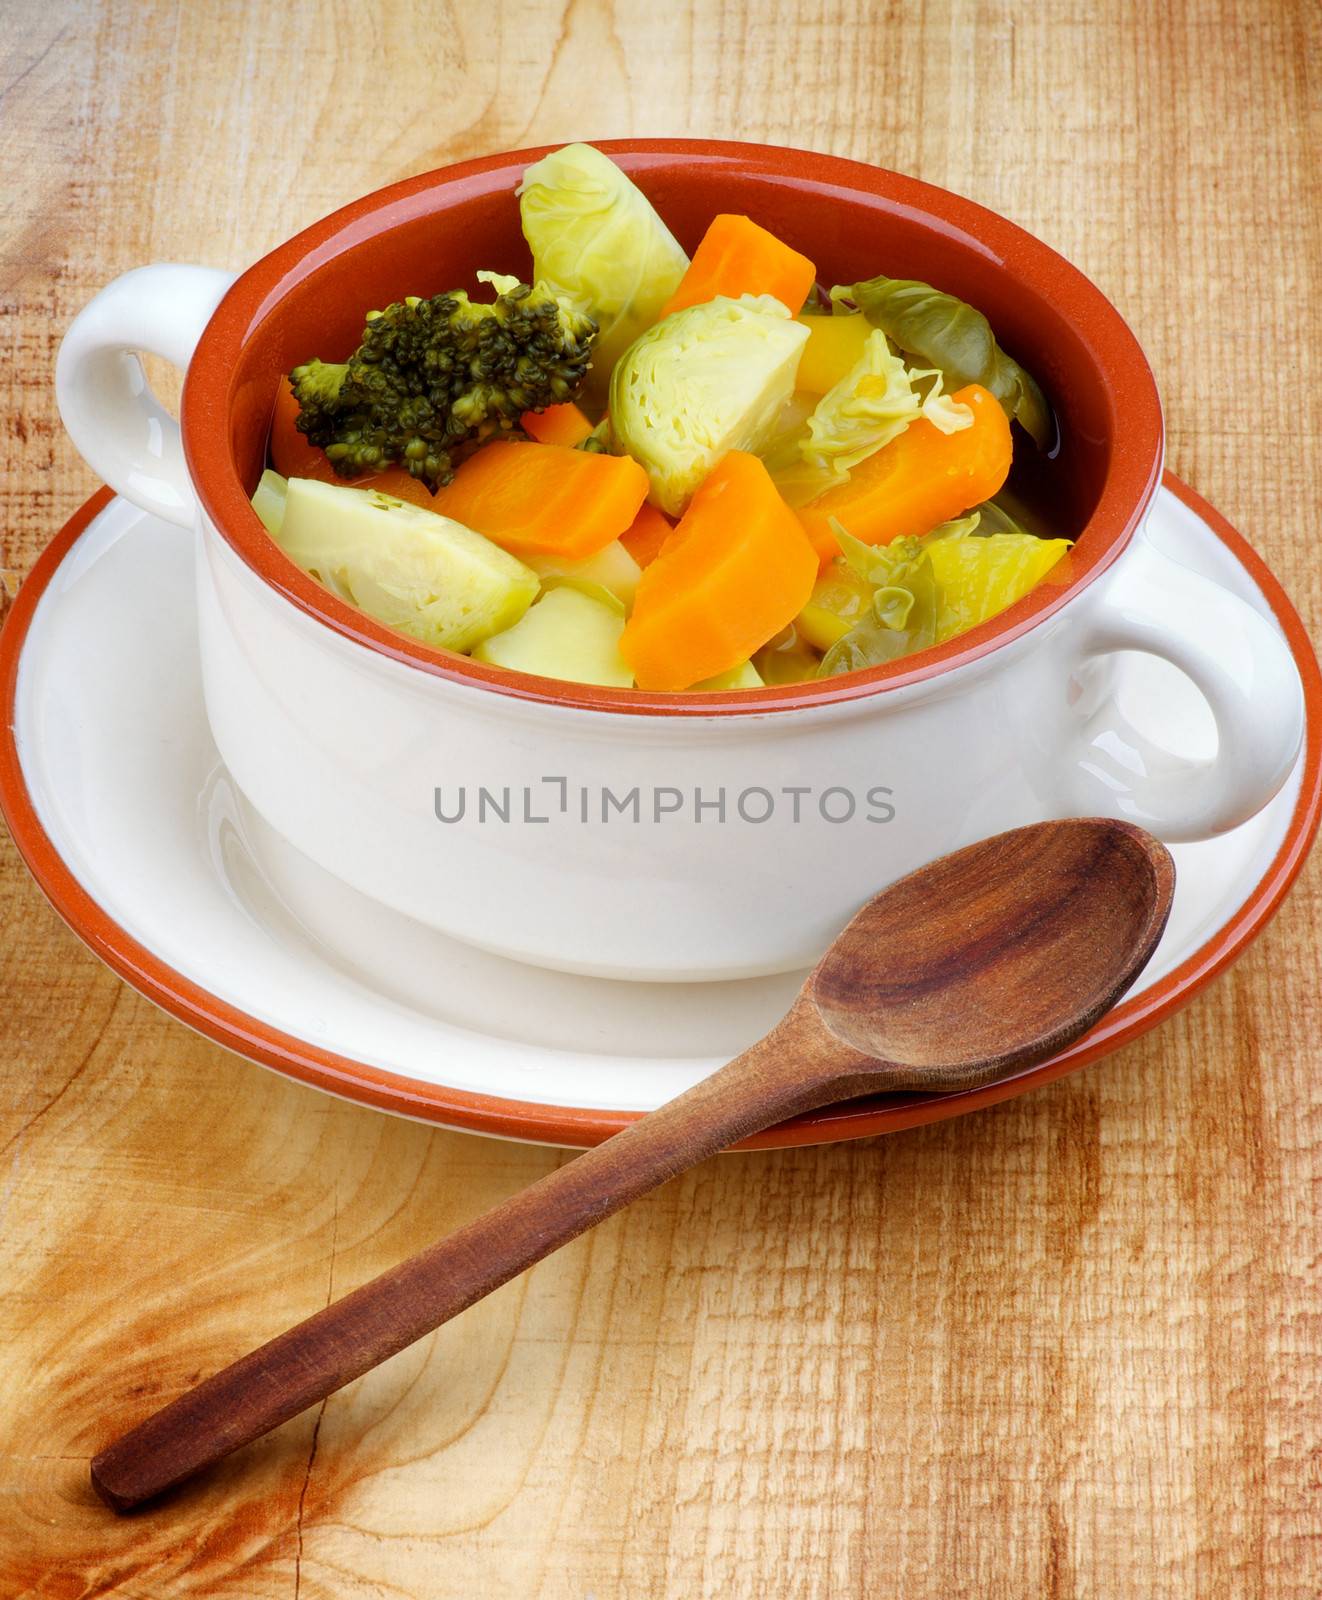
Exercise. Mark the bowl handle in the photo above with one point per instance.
(1240, 664)
(120, 428)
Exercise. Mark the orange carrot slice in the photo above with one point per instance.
(544, 499)
(920, 479)
(738, 257)
(564, 424)
(734, 573)
(649, 531)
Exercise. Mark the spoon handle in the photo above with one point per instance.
(296, 1369)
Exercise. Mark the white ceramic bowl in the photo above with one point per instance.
(665, 836)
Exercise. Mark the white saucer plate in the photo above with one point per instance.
(119, 802)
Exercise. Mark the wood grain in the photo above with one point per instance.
(1013, 947)
(1067, 1348)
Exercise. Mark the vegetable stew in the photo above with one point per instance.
(637, 469)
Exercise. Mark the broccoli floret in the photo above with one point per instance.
(432, 376)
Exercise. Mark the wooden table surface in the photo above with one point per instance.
(1066, 1348)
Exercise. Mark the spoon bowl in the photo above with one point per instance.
(968, 969)
(997, 956)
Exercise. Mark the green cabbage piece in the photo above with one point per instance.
(946, 333)
(958, 527)
(787, 658)
(1008, 512)
(710, 378)
(871, 405)
(596, 240)
(980, 577)
(994, 518)
(411, 569)
(906, 604)
(931, 589)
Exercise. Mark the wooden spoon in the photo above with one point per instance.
(966, 971)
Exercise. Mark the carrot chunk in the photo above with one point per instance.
(917, 481)
(738, 257)
(735, 572)
(544, 499)
(649, 531)
(564, 424)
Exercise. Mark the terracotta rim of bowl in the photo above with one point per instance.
(1131, 481)
(577, 1126)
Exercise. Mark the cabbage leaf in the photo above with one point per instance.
(596, 239)
(905, 610)
(957, 528)
(928, 590)
(947, 333)
(872, 404)
(981, 577)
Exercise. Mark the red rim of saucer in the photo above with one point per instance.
(577, 1126)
